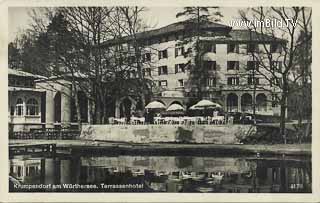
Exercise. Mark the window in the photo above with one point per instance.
(19, 107)
(129, 46)
(211, 82)
(163, 70)
(179, 51)
(179, 68)
(146, 72)
(119, 47)
(11, 81)
(233, 48)
(251, 80)
(252, 47)
(210, 65)
(275, 48)
(11, 110)
(32, 107)
(209, 47)
(163, 83)
(252, 65)
(19, 83)
(29, 83)
(233, 81)
(119, 60)
(273, 81)
(163, 54)
(181, 83)
(146, 57)
(233, 65)
(274, 100)
(276, 66)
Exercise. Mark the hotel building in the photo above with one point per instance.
(230, 69)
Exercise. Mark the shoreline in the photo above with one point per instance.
(175, 148)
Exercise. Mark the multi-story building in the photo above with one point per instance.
(231, 76)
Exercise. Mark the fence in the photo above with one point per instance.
(47, 134)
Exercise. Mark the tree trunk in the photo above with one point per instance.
(99, 113)
(283, 108)
(77, 106)
(143, 102)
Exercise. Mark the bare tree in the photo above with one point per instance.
(277, 68)
(86, 52)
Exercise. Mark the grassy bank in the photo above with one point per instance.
(166, 148)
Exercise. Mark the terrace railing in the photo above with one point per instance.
(47, 134)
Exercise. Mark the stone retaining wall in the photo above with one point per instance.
(217, 134)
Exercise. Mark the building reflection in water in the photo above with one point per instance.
(170, 173)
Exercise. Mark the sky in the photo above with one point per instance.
(154, 16)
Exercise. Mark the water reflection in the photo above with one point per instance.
(165, 173)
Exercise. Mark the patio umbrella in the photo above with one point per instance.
(155, 105)
(175, 107)
(206, 104)
(194, 107)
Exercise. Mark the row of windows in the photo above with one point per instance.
(164, 83)
(211, 82)
(236, 81)
(179, 51)
(231, 48)
(32, 108)
(208, 82)
(146, 57)
(19, 82)
(211, 66)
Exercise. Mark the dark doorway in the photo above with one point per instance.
(57, 107)
(83, 105)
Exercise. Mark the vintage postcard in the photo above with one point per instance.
(168, 101)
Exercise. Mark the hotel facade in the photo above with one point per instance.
(232, 77)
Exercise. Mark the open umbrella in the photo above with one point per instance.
(194, 107)
(206, 104)
(175, 107)
(155, 105)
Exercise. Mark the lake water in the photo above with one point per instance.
(78, 172)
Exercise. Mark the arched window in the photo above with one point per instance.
(232, 102)
(246, 102)
(261, 102)
(19, 107)
(32, 107)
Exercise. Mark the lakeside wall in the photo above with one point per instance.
(217, 134)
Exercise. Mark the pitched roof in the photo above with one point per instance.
(22, 73)
(172, 28)
(182, 25)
